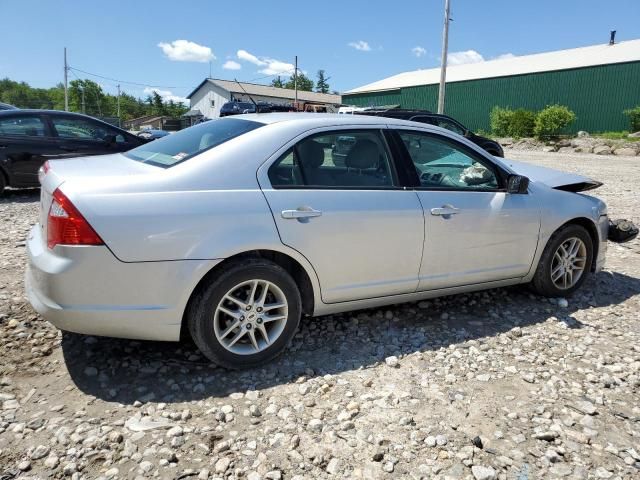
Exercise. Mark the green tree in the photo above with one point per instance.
(94, 97)
(305, 84)
(277, 82)
(321, 85)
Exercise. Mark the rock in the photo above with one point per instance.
(430, 441)
(273, 475)
(634, 135)
(441, 440)
(222, 465)
(204, 474)
(602, 150)
(547, 436)
(175, 431)
(582, 134)
(563, 303)
(529, 377)
(111, 473)
(483, 473)
(625, 151)
(392, 361)
(315, 425)
(24, 466)
(52, 462)
(40, 451)
(146, 466)
(334, 466)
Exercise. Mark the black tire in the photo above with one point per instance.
(200, 314)
(542, 283)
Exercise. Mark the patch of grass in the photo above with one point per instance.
(624, 135)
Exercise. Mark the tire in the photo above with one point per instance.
(212, 328)
(542, 282)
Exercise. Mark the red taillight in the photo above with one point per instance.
(67, 226)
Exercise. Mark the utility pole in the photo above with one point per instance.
(118, 104)
(295, 81)
(443, 65)
(66, 89)
(83, 104)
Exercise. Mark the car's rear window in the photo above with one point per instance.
(180, 146)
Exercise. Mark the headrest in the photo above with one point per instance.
(206, 141)
(363, 155)
(311, 154)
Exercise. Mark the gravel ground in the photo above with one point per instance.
(497, 384)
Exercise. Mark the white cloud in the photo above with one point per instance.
(231, 65)
(503, 56)
(360, 45)
(270, 66)
(419, 51)
(166, 95)
(467, 56)
(186, 51)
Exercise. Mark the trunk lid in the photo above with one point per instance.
(570, 182)
(103, 167)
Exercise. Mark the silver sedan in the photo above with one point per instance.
(235, 228)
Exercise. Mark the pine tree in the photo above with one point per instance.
(321, 85)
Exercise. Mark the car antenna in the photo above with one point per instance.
(250, 97)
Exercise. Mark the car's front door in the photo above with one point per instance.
(345, 212)
(475, 231)
(80, 136)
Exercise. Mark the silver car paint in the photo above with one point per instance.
(212, 207)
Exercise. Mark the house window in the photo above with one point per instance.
(213, 103)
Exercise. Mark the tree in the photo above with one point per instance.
(277, 82)
(305, 84)
(321, 85)
(93, 96)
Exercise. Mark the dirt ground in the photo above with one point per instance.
(497, 384)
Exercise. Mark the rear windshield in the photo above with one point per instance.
(180, 146)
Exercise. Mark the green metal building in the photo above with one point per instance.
(598, 83)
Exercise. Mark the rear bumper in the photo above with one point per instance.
(85, 289)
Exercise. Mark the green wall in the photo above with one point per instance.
(597, 95)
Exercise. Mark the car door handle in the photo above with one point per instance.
(445, 210)
(301, 212)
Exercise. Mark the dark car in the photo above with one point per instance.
(237, 108)
(444, 121)
(6, 106)
(30, 137)
(152, 134)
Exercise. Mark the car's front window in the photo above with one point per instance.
(180, 146)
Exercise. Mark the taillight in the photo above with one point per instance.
(67, 226)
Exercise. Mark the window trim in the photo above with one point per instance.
(405, 157)
(104, 126)
(396, 177)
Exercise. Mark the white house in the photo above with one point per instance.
(211, 94)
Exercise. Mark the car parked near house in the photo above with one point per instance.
(28, 138)
(153, 134)
(235, 228)
(6, 106)
(444, 121)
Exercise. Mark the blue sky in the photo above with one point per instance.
(355, 41)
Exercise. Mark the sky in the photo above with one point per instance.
(171, 46)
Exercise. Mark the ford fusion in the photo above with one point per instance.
(233, 229)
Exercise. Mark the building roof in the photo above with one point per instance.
(268, 91)
(604, 54)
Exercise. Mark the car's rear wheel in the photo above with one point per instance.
(246, 315)
(565, 262)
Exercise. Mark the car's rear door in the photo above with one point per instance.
(25, 144)
(475, 232)
(362, 232)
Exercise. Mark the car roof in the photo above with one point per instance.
(322, 119)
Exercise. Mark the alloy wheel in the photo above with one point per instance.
(250, 317)
(568, 264)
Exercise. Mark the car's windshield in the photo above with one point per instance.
(180, 146)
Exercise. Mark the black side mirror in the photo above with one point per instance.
(517, 184)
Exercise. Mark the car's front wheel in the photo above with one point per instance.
(246, 315)
(565, 262)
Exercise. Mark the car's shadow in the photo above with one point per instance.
(175, 372)
(20, 195)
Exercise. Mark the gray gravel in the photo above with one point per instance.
(498, 384)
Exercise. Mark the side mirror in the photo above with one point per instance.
(467, 133)
(517, 184)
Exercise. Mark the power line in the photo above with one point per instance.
(124, 81)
